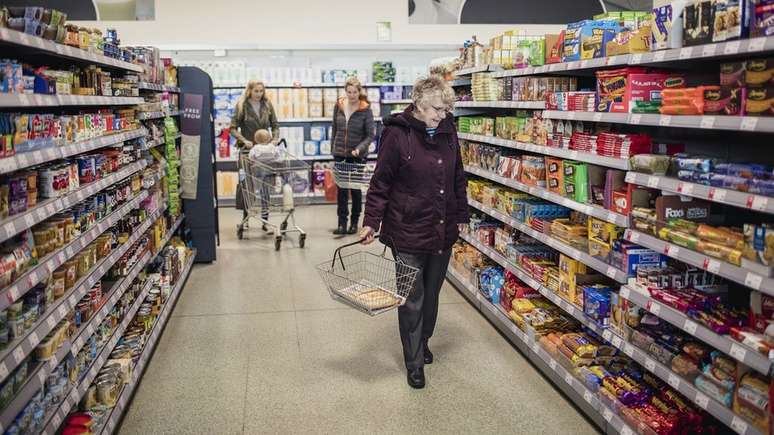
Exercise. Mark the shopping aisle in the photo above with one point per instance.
(256, 345)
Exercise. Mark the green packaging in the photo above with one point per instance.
(576, 181)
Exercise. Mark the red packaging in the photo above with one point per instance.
(616, 89)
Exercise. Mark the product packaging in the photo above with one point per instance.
(761, 18)
(666, 28)
(698, 22)
(594, 36)
(554, 47)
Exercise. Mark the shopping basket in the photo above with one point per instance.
(369, 282)
(352, 175)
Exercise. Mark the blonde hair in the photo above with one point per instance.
(262, 137)
(428, 87)
(252, 84)
(353, 81)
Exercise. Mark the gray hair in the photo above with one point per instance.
(428, 87)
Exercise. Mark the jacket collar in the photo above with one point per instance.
(361, 108)
(407, 119)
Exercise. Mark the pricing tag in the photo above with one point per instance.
(574, 155)
(717, 195)
(665, 120)
(33, 339)
(50, 209)
(568, 378)
(626, 431)
(3, 370)
(51, 322)
(738, 425)
(42, 376)
(738, 352)
(654, 308)
(18, 354)
(756, 44)
(731, 47)
(749, 123)
(587, 396)
(552, 364)
(659, 56)
(685, 188)
(629, 350)
(709, 50)
(570, 310)
(635, 119)
(711, 266)
(690, 326)
(686, 53)
(29, 220)
(9, 229)
(536, 348)
(650, 365)
(753, 280)
(62, 311)
(624, 292)
(57, 420)
(597, 117)
(636, 58)
(617, 341)
(653, 181)
(72, 300)
(701, 400)
(758, 203)
(707, 122)
(607, 415)
(611, 272)
(33, 278)
(671, 250)
(571, 116)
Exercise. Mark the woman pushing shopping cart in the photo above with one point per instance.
(267, 174)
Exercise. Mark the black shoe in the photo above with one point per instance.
(416, 378)
(264, 228)
(340, 231)
(428, 355)
(352, 229)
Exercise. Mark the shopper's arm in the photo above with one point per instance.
(381, 182)
(368, 135)
(273, 122)
(460, 186)
(234, 130)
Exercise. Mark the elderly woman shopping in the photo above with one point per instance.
(417, 201)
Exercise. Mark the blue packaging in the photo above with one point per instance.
(311, 148)
(572, 41)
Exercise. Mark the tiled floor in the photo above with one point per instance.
(255, 345)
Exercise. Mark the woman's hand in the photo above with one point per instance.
(367, 235)
(248, 145)
(355, 153)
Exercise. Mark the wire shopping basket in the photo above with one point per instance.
(352, 175)
(370, 283)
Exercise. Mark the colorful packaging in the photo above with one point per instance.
(554, 47)
(576, 181)
(698, 22)
(666, 30)
(617, 89)
(555, 175)
(762, 18)
(759, 72)
(572, 41)
(594, 37)
(759, 101)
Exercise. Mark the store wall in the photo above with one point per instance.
(187, 24)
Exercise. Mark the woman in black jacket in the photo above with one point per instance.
(353, 132)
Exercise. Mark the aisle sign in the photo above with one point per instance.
(190, 126)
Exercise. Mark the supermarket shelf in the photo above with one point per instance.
(600, 414)
(610, 162)
(477, 69)
(685, 387)
(461, 82)
(76, 392)
(744, 354)
(143, 116)
(25, 160)
(312, 85)
(40, 100)
(25, 345)
(704, 122)
(591, 210)
(13, 225)
(158, 87)
(736, 48)
(303, 120)
(29, 42)
(736, 198)
(72, 346)
(403, 101)
(161, 141)
(596, 264)
(724, 344)
(127, 393)
(710, 264)
(502, 104)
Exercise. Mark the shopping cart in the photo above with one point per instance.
(349, 175)
(369, 282)
(267, 190)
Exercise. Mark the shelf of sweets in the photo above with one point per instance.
(755, 124)
(501, 104)
(588, 209)
(42, 100)
(158, 87)
(610, 162)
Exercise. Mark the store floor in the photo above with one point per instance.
(256, 345)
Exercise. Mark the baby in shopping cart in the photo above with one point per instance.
(263, 149)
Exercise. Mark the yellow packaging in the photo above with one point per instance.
(570, 267)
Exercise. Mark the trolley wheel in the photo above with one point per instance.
(240, 232)
(301, 240)
(277, 243)
(284, 226)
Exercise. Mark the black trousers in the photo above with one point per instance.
(417, 317)
(342, 199)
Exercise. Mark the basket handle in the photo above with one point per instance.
(337, 252)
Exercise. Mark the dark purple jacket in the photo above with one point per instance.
(418, 192)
